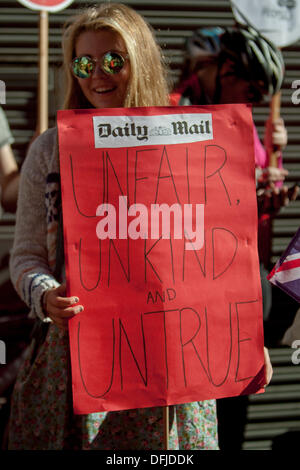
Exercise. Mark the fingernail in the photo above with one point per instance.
(80, 309)
(75, 299)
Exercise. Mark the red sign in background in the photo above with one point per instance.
(47, 5)
(162, 324)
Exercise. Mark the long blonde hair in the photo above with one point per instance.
(148, 73)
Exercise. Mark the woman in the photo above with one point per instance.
(9, 173)
(110, 57)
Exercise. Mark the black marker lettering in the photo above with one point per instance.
(210, 154)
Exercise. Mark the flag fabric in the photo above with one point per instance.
(286, 272)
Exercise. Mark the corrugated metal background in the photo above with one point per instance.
(277, 411)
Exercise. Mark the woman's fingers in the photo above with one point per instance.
(66, 312)
(59, 308)
(268, 367)
(279, 135)
(62, 302)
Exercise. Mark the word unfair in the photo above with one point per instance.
(138, 227)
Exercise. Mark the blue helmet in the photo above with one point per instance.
(256, 58)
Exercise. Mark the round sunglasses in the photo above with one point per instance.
(111, 63)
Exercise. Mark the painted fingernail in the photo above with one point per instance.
(79, 309)
(75, 299)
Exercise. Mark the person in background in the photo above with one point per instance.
(239, 65)
(109, 56)
(9, 172)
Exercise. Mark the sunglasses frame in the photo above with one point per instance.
(94, 61)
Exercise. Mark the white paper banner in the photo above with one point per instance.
(127, 131)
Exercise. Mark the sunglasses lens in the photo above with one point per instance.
(112, 62)
(82, 67)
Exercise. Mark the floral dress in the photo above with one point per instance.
(42, 418)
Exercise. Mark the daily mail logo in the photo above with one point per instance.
(133, 131)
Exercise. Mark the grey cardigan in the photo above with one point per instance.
(33, 256)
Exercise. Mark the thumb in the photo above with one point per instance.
(61, 290)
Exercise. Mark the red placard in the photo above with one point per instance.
(173, 310)
(46, 5)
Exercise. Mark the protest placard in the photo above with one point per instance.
(160, 231)
(278, 21)
(46, 5)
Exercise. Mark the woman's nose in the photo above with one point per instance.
(98, 69)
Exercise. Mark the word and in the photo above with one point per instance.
(296, 93)
(296, 354)
(168, 294)
(139, 226)
(2, 352)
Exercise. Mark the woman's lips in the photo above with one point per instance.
(103, 90)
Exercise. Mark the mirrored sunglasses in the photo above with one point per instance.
(111, 63)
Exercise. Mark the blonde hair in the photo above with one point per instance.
(148, 74)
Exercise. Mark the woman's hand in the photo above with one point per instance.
(272, 174)
(271, 199)
(268, 368)
(279, 134)
(276, 134)
(60, 308)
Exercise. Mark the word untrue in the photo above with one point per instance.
(160, 222)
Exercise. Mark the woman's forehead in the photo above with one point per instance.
(99, 42)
